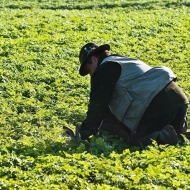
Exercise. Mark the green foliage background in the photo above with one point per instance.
(41, 90)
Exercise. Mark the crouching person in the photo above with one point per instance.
(130, 99)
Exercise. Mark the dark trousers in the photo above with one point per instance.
(168, 107)
(148, 129)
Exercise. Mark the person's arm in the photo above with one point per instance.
(102, 83)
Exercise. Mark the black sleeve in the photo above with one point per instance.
(102, 83)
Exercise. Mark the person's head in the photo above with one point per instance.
(89, 57)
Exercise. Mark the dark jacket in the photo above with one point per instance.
(102, 84)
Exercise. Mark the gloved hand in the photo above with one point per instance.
(80, 132)
(86, 133)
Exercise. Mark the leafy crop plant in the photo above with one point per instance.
(41, 91)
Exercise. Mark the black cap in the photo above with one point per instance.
(86, 52)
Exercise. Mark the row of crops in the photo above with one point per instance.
(41, 91)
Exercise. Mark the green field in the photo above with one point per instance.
(41, 91)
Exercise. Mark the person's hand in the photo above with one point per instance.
(85, 134)
(79, 133)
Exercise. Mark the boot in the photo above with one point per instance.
(187, 135)
(168, 136)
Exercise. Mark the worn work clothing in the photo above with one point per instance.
(137, 85)
(102, 85)
(149, 129)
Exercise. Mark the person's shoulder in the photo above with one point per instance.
(118, 55)
(109, 64)
(108, 67)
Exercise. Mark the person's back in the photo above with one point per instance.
(137, 85)
(145, 102)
